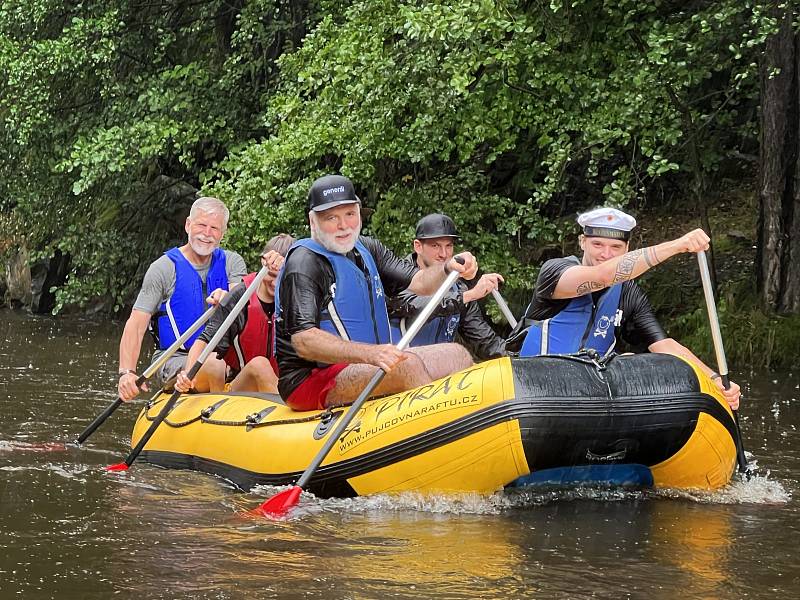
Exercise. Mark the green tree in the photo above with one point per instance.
(509, 115)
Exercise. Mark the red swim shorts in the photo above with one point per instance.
(312, 393)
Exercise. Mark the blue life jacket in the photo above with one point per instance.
(582, 324)
(438, 329)
(357, 310)
(188, 300)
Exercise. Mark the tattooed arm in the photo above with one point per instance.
(580, 280)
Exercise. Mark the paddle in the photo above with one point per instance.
(223, 328)
(283, 501)
(722, 363)
(504, 308)
(148, 373)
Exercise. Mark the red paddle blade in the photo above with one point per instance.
(279, 504)
(118, 467)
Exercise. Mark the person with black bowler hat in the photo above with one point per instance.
(332, 326)
(459, 313)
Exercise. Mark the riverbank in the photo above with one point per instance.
(752, 339)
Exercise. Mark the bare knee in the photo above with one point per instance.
(413, 371)
(440, 360)
(213, 371)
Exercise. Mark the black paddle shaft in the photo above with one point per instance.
(339, 429)
(160, 417)
(198, 364)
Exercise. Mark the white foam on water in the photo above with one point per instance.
(759, 489)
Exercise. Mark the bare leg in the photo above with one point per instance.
(424, 364)
(258, 376)
(211, 376)
(442, 359)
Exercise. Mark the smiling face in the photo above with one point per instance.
(337, 228)
(433, 251)
(267, 292)
(597, 250)
(205, 231)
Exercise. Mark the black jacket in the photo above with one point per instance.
(473, 330)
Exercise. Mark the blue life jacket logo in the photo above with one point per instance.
(602, 327)
(452, 325)
(378, 287)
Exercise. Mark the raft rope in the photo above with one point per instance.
(251, 421)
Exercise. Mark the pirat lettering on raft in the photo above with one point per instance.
(426, 392)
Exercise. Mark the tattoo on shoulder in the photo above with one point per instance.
(626, 265)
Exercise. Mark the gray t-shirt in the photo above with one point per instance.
(159, 281)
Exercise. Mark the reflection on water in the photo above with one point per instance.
(71, 530)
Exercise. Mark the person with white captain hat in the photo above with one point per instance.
(589, 303)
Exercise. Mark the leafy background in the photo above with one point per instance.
(509, 116)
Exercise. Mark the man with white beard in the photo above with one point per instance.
(332, 326)
(175, 290)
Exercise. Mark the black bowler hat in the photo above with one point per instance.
(331, 190)
(435, 226)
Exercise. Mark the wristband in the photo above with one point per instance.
(125, 372)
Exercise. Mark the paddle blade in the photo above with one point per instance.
(118, 467)
(280, 504)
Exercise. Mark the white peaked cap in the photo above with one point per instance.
(607, 222)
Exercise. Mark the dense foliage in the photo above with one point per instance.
(510, 116)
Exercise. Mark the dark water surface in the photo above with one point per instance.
(70, 530)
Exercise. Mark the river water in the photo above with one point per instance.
(69, 529)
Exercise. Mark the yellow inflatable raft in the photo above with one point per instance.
(644, 420)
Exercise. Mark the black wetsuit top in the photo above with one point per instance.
(305, 290)
(473, 330)
(639, 327)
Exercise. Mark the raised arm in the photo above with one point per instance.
(427, 281)
(580, 280)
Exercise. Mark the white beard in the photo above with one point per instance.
(200, 244)
(328, 241)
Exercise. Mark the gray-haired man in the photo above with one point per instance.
(175, 291)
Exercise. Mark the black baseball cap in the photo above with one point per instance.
(331, 190)
(435, 226)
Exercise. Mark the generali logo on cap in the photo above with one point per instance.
(333, 190)
(330, 191)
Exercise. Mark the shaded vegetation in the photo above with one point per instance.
(510, 116)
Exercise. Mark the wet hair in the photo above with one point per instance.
(280, 243)
(210, 206)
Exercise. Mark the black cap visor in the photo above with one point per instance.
(606, 232)
(334, 204)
